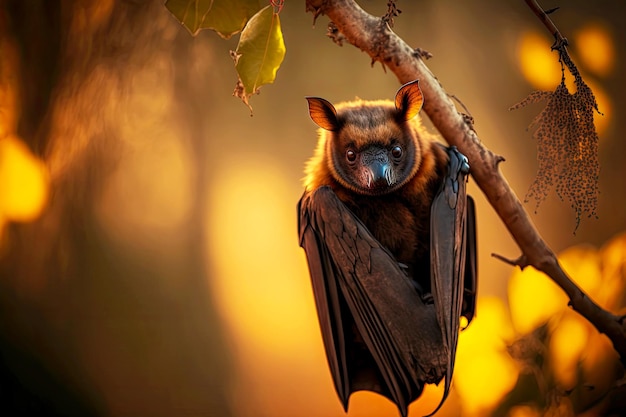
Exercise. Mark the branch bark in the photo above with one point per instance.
(373, 36)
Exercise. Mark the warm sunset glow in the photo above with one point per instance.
(524, 411)
(261, 290)
(567, 342)
(533, 299)
(150, 191)
(484, 371)
(594, 45)
(263, 293)
(541, 68)
(539, 64)
(574, 345)
(613, 258)
(582, 263)
(23, 182)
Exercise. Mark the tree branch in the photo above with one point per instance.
(559, 40)
(373, 36)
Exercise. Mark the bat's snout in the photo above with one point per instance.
(379, 175)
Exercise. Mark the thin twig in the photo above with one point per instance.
(559, 40)
(521, 262)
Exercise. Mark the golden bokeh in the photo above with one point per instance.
(538, 63)
(524, 411)
(262, 290)
(533, 299)
(613, 258)
(567, 342)
(574, 345)
(541, 68)
(254, 246)
(23, 182)
(594, 45)
(484, 371)
(582, 264)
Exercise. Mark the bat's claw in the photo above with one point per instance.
(428, 298)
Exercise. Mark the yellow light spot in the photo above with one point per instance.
(484, 371)
(599, 359)
(369, 404)
(482, 381)
(582, 264)
(490, 328)
(524, 411)
(613, 256)
(23, 181)
(594, 45)
(262, 286)
(567, 342)
(539, 64)
(533, 299)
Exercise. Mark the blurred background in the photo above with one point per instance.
(149, 259)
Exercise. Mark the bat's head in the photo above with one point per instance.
(370, 147)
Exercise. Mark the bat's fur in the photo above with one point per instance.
(398, 215)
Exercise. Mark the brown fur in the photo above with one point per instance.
(400, 218)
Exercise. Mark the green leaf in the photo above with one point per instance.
(259, 54)
(226, 17)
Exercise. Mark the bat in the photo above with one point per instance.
(390, 239)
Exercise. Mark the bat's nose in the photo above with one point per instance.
(377, 173)
(380, 174)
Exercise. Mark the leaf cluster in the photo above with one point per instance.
(261, 48)
(567, 144)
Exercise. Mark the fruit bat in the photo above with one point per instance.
(389, 235)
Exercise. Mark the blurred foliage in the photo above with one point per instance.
(566, 367)
(540, 358)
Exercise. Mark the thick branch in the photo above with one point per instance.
(373, 36)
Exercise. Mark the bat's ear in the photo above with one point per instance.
(409, 100)
(323, 113)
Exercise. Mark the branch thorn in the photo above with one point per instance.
(522, 262)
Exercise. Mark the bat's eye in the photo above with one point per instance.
(350, 155)
(396, 152)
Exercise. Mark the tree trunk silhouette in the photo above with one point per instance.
(88, 327)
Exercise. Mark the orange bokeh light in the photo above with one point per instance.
(594, 45)
(538, 63)
(484, 371)
(23, 182)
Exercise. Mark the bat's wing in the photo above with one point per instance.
(453, 257)
(378, 333)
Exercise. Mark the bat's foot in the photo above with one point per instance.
(428, 298)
